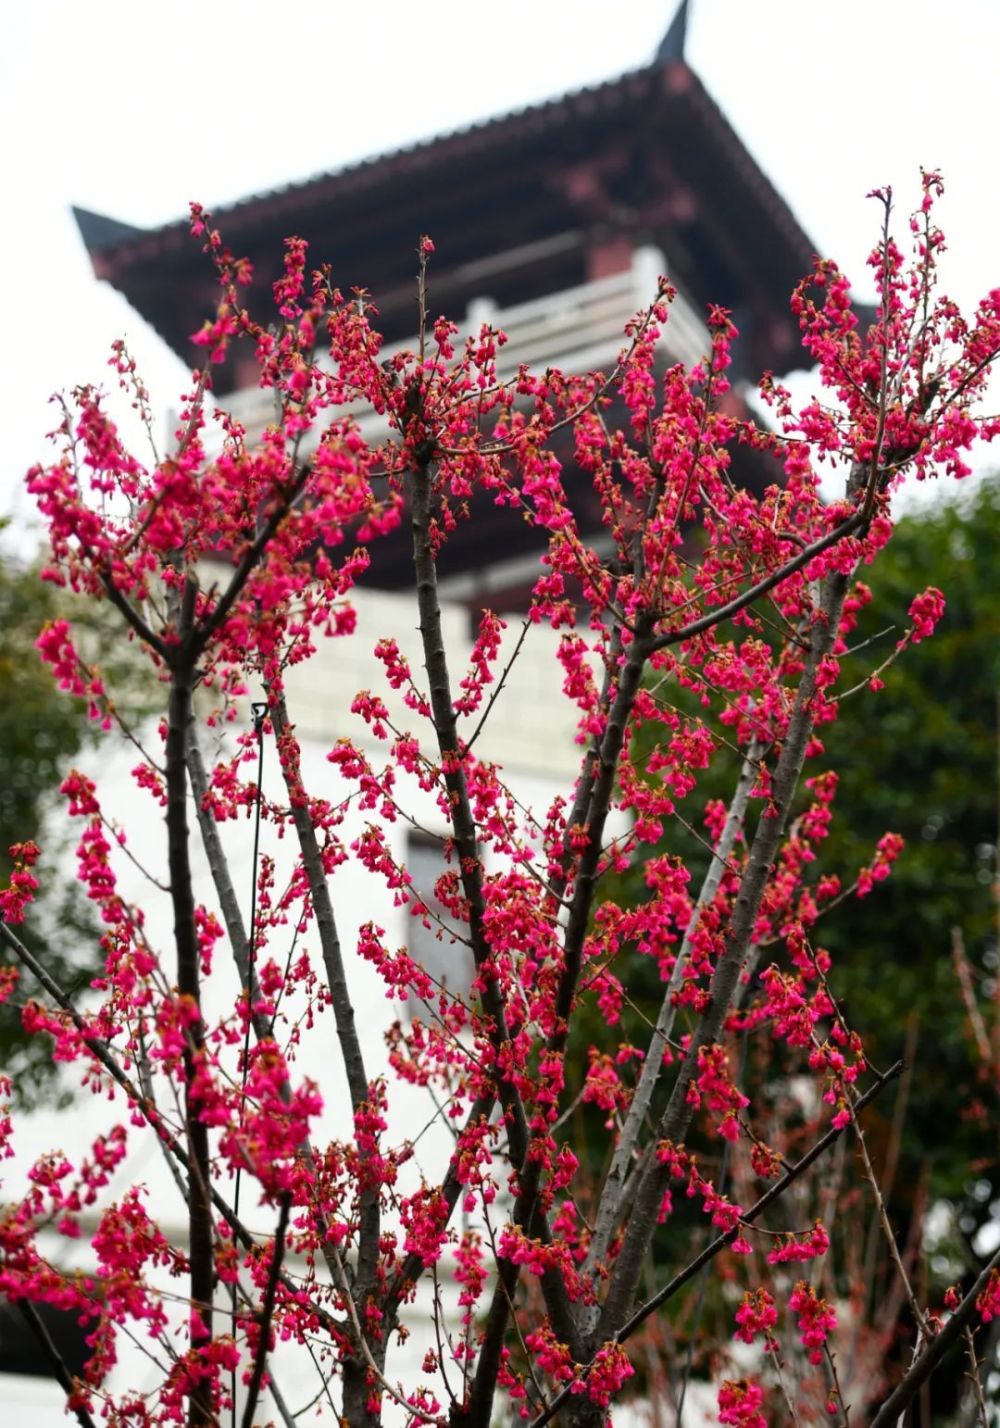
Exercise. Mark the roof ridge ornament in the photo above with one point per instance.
(671, 47)
(100, 232)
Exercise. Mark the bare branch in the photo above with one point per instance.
(200, 1223)
(218, 866)
(924, 1365)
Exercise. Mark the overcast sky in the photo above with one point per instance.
(134, 107)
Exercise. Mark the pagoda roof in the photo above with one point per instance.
(649, 154)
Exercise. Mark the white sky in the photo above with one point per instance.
(133, 107)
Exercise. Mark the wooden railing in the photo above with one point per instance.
(580, 329)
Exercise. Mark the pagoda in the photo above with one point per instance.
(552, 223)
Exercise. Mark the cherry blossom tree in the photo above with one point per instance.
(229, 562)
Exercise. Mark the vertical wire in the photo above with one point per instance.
(259, 712)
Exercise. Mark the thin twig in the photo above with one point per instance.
(793, 1417)
(934, 1351)
(964, 975)
(500, 684)
(883, 1214)
(974, 1378)
(56, 1363)
(837, 1393)
(362, 1343)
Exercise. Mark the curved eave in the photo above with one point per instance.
(380, 171)
(164, 275)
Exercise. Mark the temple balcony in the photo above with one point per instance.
(579, 329)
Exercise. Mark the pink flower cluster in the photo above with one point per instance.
(740, 1404)
(232, 562)
(756, 1317)
(23, 884)
(816, 1319)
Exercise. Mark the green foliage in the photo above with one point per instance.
(42, 730)
(919, 758)
(922, 761)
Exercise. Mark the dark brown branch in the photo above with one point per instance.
(132, 617)
(478, 1410)
(200, 1223)
(585, 878)
(471, 874)
(603, 770)
(753, 592)
(369, 1212)
(250, 559)
(453, 774)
